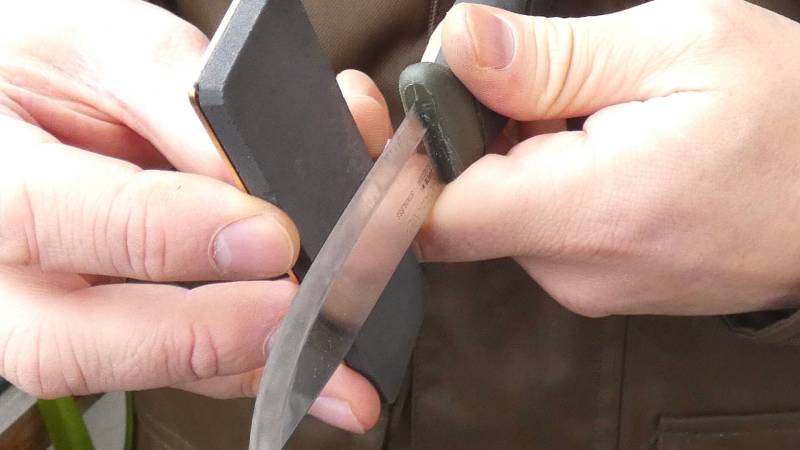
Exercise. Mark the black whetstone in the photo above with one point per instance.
(270, 96)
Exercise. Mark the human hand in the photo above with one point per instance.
(681, 195)
(93, 114)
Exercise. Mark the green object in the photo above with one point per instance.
(130, 421)
(65, 424)
(460, 129)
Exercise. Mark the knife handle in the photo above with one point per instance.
(460, 129)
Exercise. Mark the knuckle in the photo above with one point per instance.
(556, 66)
(26, 375)
(33, 362)
(202, 356)
(140, 246)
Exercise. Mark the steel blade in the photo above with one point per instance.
(344, 283)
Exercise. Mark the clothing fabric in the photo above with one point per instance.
(499, 364)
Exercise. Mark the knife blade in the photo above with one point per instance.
(344, 282)
(269, 99)
(366, 244)
(445, 130)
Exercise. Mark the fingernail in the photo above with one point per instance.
(492, 38)
(337, 413)
(258, 246)
(269, 342)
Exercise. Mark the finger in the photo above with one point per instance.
(368, 108)
(73, 211)
(348, 401)
(79, 125)
(534, 201)
(140, 80)
(566, 194)
(532, 68)
(225, 387)
(464, 226)
(133, 336)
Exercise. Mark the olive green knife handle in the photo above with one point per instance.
(460, 129)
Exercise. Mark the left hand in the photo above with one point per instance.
(94, 116)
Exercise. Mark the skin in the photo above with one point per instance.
(94, 115)
(680, 194)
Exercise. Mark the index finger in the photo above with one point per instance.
(140, 79)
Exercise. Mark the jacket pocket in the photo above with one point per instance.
(780, 431)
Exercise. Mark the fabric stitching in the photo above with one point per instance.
(722, 427)
(730, 433)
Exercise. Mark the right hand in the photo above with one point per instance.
(93, 113)
(678, 196)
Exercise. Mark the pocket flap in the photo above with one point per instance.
(780, 431)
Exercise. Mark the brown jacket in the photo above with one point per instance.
(500, 365)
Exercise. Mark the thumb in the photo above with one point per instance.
(531, 68)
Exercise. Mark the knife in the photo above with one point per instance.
(445, 130)
(270, 102)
